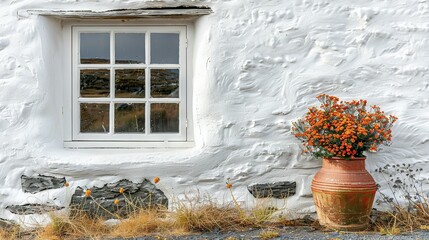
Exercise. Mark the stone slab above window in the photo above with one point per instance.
(150, 10)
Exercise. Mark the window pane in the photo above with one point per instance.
(94, 48)
(164, 48)
(95, 83)
(130, 83)
(94, 117)
(164, 117)
(129, 117)
(164, 83)
(130, 48)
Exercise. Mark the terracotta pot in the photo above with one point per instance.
(343, 192)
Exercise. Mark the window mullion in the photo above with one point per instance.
(112, 84)
(147, 82)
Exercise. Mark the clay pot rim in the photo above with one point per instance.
(344, 159)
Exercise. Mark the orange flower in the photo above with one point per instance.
(121, 190)
(88, 192)
(228, 185)
(342, 128)
(156, 180)
(66, 184)
(116, 202)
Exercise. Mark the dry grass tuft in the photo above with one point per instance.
(205, 215)
(208, 217)
(75, 225)
(7, 234)
(408, 204)
(143, 223)
(268, 234)
(259, 215)
(402, 219)
(14, 231)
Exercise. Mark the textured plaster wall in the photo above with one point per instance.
(258, 65)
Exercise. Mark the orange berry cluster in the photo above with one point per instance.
(343, 129)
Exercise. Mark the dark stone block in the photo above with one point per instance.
(32, 208)
(274, 190)
(142, 195)
(41, 183)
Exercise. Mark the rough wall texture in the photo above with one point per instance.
(258, 65)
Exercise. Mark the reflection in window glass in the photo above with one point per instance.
(130, 83)
(129, 48)
(164, 83)
(94, 48)
(164, 117)
(164, 48)
(129, 117)
(94, 83)
(94, 118)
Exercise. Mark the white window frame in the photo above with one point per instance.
(71, 110)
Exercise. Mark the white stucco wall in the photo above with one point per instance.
(258, 65)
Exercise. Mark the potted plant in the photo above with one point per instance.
(340, 132)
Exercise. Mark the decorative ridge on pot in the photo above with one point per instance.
(340, 132)
(349, 159)
(350, 175)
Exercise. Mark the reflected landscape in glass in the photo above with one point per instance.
(164, 83)
(164, 117)
(94, 118)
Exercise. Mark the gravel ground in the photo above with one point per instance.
(297, 233)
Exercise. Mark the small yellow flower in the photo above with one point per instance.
(66, 184)
(88, 192)
(116, 201)
(156, 180)
(121, 190)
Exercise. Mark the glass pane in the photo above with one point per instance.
(164, 83)
(95, 83)
(164, 48)
(130, 48)
(164, 117)
(129, 117)
(130, 83)
(94, 117)
(94, 48)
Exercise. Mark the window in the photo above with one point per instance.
(129, 84)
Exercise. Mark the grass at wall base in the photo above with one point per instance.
(194, 215)
(200, 215)
(340, 132)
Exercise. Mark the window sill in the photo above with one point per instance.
(92, 144)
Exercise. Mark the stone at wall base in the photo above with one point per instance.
(101, 202)
(273, 190)
(32, 208)
(41, 183)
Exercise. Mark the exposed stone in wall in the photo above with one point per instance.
(32, 208)
(275, 190)
(40, 183)
(142, 194)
